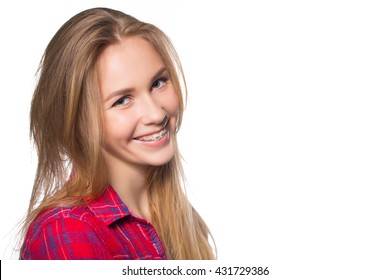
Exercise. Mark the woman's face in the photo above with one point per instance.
(140, 105)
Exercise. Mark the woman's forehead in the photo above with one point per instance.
(130, 63)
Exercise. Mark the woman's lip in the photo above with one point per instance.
(155, 143)
(148, 135)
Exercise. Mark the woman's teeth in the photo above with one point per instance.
(153, 137)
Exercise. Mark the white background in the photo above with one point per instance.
(286, 135)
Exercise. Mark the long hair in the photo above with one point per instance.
(66, 127)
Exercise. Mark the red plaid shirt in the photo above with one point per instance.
(104, 229)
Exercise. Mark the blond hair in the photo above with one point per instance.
(66, 126)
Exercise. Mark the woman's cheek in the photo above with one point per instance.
(172, 103)
(118, 125)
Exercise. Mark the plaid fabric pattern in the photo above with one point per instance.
(104, 229)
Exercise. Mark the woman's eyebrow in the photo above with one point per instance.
(126, 91)
(158, 73)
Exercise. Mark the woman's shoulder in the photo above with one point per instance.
(63, 233)
(61, 214)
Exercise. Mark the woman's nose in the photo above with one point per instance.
(152, 112)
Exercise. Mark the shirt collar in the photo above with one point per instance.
(109, 207)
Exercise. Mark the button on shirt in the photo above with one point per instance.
(104, 229)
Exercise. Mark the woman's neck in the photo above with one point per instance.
(129, 181)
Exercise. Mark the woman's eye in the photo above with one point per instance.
(159, 83)
(122, 101)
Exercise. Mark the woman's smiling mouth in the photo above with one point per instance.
(153, 137)
(155, 140)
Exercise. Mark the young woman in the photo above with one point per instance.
(104, 119)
